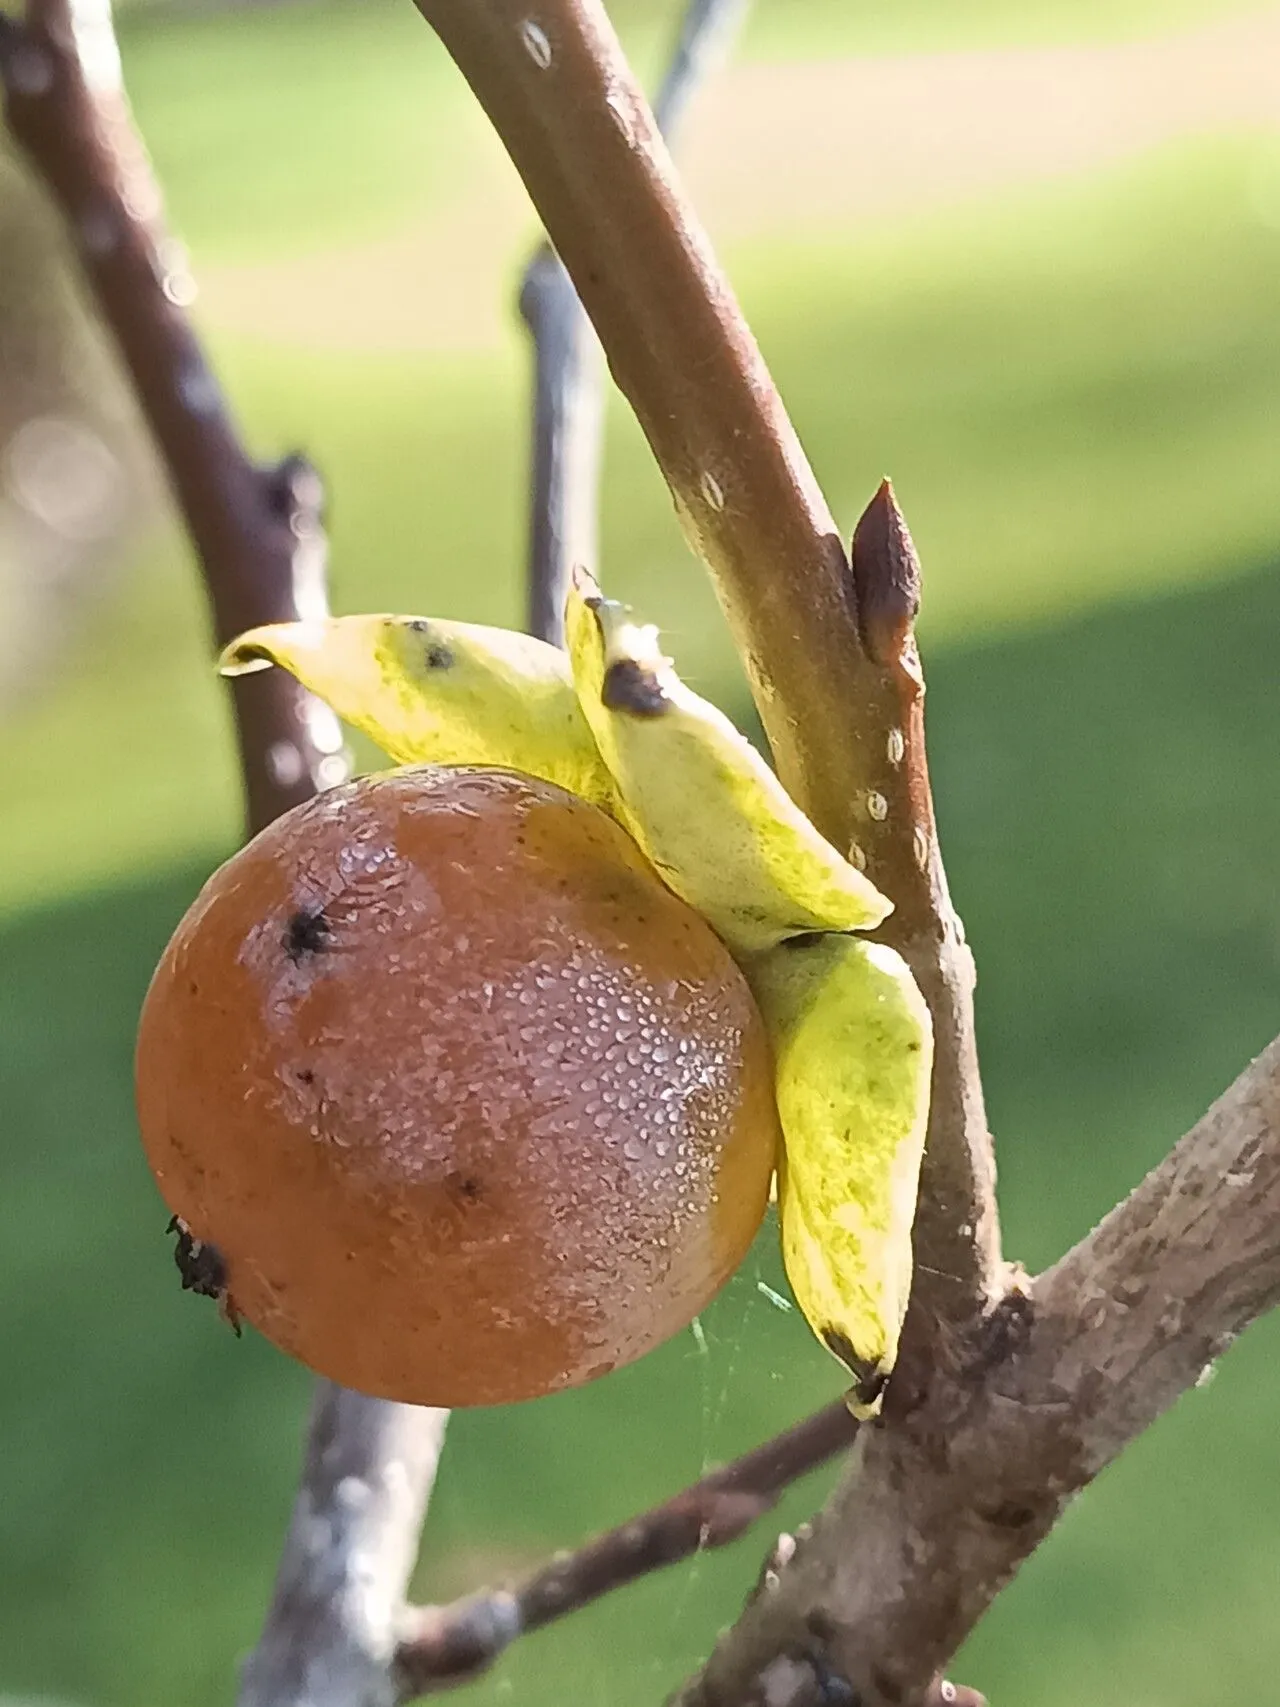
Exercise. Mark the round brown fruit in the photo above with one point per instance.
(471, 1106)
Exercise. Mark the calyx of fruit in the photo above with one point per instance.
(709, 824)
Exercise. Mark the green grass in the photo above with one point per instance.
(1075, 391)
(329, 120)
(334, 120)
(793, 28)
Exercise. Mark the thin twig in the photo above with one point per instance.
(446, 1644)
(568, 370)
(568, 414)
(261, 545)
(707, 33)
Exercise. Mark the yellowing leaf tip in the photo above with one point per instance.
(240, 659)
(260, 649)
(584, 582)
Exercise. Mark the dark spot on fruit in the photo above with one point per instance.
(464, 1186)
(308, 932)
(629, 686)
(194, 987)
(306, 1076)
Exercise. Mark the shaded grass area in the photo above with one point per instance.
(1113, 848)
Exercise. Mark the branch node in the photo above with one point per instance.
(443, 1644)
(886, 578)
(295, 492)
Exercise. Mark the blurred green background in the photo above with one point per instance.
(1029, 263)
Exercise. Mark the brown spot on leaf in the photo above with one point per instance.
(632, 687)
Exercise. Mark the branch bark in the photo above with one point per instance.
(261, 544)
(955, 1497)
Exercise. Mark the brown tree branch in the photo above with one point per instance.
(841, 702)
(951, 1501)
(556, 86)
(447, 1644)
(258, 534)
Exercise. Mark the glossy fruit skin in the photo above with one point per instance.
(471, 1105)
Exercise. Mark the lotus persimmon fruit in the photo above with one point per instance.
(457, 1100)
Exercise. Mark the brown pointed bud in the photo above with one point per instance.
(886, 577)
